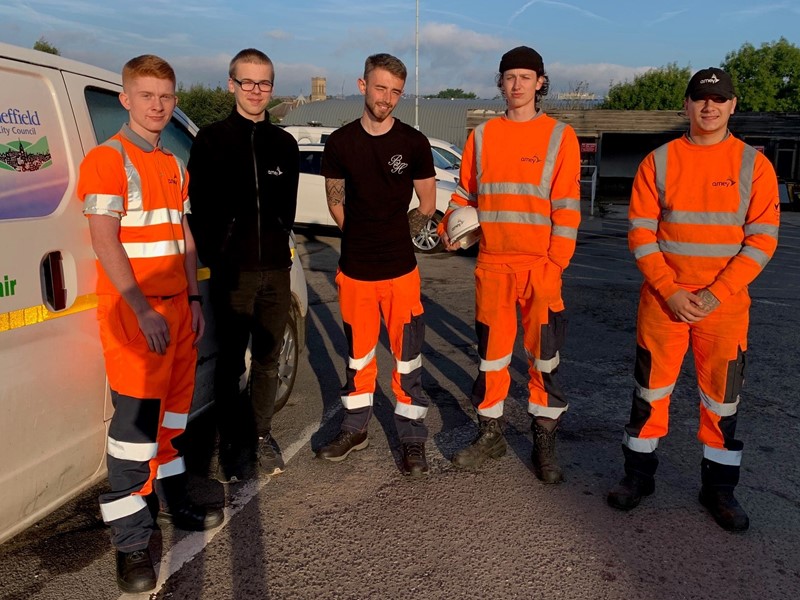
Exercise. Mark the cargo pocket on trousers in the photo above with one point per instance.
(554, 333)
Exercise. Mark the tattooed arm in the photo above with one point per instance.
(334, 190)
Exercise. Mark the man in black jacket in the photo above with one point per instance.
(243, 186)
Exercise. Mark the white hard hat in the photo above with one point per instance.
(463, 226)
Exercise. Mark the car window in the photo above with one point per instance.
(439, 161)
(310, 162)
(454, 162)
(108, 116)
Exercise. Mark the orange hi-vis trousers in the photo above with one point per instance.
(362, 303)
(152, 395)
(719, 345)
(544, 327)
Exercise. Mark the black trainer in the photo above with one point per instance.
(342, 445)
(725, 508)
(629, 492)
(269, 456)
(236, 464)
(192, 517)
(414, 462)
(135, 571)
(490, 443)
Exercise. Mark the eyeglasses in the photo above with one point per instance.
(714, 99)
(248, 85)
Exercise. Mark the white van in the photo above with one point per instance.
(54, 399)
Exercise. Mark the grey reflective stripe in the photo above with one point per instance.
(512, 216)
(404, 367)
(181, 170)
(718, 408)
(567, 203)
(124, 507)
(359, 363)
(746, 179)
(135, 451)
(565, 232)
(649, 224)
(173, 467)
(410, 411)
(495, 365)
(660, 165)
(357, 401)
(643, 251)
(694, 249)
(641, 445)
(542, 365)
(550, 160)
(688, 217)
(732, 458)
(463, 193)
(653, 394)
(518, 189)
(548, 412)
(478, 150)
(757, 255)
(135, 203)
(761, 228)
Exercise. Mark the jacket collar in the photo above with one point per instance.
(138, 141)
(245, 123)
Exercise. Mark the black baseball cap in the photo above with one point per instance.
(522, 57)
(710, 82)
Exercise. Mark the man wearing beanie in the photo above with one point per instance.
(521, 171)
(704, 217)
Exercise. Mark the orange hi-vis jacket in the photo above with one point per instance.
(146, 188)
(524, 180)
(703, 217)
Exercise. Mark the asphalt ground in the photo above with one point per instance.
(360, 529)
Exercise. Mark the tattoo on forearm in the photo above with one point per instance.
(709, 300)
(334, 190)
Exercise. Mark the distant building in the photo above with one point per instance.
(318, 89)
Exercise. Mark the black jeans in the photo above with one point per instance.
(250, 303)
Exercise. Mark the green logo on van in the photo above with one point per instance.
(25, 156)
(7, 287)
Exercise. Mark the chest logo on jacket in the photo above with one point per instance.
(724, 184)
(397, 164)
(531, 159)
(277, 172)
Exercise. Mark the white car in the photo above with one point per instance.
(312, 205)
(446, 156)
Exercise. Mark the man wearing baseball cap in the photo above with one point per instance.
(704, 217)
(521, 171)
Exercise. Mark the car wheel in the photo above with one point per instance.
(287, 362)
(428, 241)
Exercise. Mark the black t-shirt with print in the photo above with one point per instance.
(379, 173)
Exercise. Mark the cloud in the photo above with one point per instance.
(279, 34)
(667, 16)
(565, 77)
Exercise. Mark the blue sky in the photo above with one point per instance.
(461, 41)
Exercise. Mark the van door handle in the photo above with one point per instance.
(55, 294)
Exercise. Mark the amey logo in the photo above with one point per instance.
(277, 172)
(725, 184)
(531, 159)
(712, 79)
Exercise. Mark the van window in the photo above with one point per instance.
(310, 162)
(34, 172)
(108, 116)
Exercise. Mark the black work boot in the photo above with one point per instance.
(269, 455)
(414, 461)
(342, 445)
(135, 571)
(189, 516)
(639, 481)
(716, 495)
(543, 454)
(490, 443)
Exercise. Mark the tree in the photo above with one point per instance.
(44, 46)
(451, 93)
(205, 105)
(766, 78)
(657, 89)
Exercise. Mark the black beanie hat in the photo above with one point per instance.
(522, 57)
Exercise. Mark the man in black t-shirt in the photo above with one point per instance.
(371, 166)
